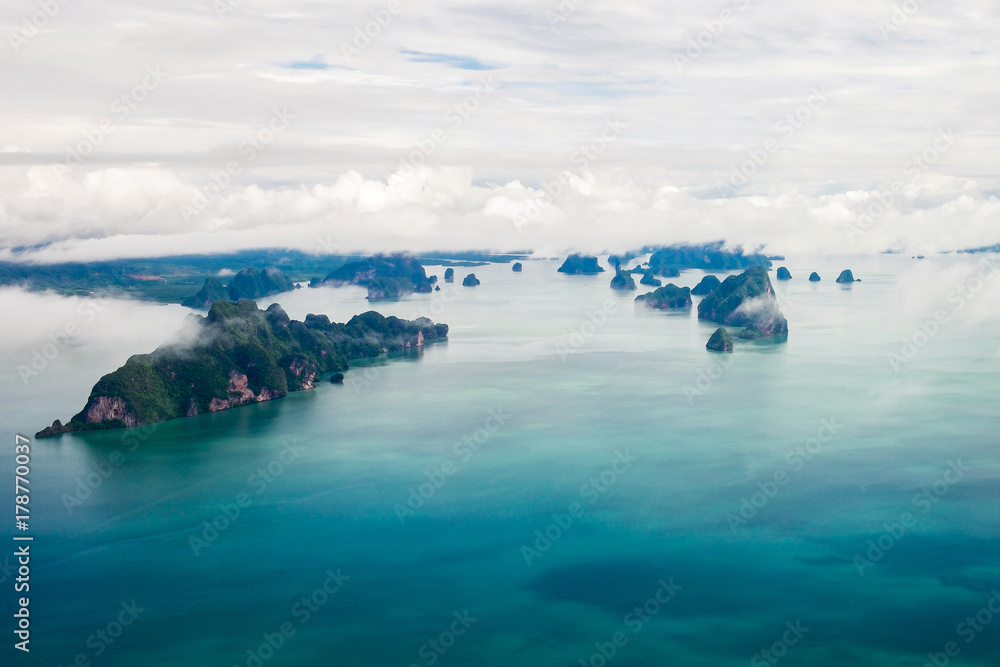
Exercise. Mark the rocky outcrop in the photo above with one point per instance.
(667, 297)
(814, 277)
(580, 265)
(705, 287)
(720, 341)
(846, 277)
(449, 275)
(109, 408)
(784, 274)
(470, 280)
(517, 268)
(746, 300)
(623, 281)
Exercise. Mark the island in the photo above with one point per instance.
(470, 280)
(249, 283)
(720, 341)
(667, 297)
(784, 274)
(706, 286)
(748, 301)
(449, 275)
(517, 267)
(580, 265)
(238, 355)
(386, 276)
(710, 256)
(814, 277)
(623, 281)
(847, 277)
(649, 279)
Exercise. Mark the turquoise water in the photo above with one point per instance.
(625, 441)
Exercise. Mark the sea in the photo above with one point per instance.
(570, 480)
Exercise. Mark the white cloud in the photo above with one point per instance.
(334, 174)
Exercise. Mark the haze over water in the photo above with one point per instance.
(607, 408)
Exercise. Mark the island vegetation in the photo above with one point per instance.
(745, 300)
(239, 355)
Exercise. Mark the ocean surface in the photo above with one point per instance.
(568, 480)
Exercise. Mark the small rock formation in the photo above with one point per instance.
(671, 272)
(337, 378)
(437, 288)
(449, 275)
(579, 265)
(746, 300)
(517, 268)
(649, 279)
(623, 281)
(705, 287)
(667, 297)
(784, 274)
(846, 277)
(814, 277)
(470, 280)
(720, 341)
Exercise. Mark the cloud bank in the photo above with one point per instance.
(853, 127)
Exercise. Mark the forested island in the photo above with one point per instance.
(237, 355)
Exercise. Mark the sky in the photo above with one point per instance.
(156, 128)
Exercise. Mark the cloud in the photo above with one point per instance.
(458, 62)
(334, 174)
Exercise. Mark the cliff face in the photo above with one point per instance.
(746, 300)
(240, 355)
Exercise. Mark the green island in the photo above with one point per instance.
(667, 297)
(746, 300)
(239, 355)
